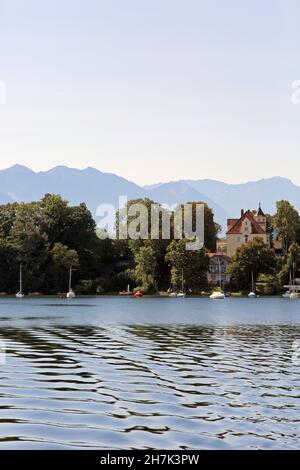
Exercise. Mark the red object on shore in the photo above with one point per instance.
(138, 294)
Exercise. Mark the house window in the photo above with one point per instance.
(238, 239)
(246, 238)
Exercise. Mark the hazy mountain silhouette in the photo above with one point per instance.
(248, 195)
(19, 183)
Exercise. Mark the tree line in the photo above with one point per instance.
(49, 236)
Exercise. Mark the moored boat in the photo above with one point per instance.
(20, 294)
(126, 292)
(252, 294)
(71, 294)
(217, 296)
(137, 294)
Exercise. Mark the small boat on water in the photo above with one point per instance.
(292, 292)
(71, 294)
(218, 295)
(20, 294)
(252, 294)
(286, 295)
(126, 292)
(173, 295)
(137, 294)
(181, 294)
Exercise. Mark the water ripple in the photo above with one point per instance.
(137, 385)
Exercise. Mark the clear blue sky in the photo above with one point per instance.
(154, 90)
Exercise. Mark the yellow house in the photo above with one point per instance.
(246, 228)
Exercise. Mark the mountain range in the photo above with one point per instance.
(19, 183)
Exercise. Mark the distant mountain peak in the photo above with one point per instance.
(19, 169)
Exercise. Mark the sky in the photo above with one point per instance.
(151, 90)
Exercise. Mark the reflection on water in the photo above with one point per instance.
(97, 382)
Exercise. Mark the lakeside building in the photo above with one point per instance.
(222, 246)
(248, 227)
(218, 268)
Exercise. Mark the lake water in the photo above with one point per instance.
(149, 373)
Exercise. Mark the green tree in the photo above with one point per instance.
(193, 264)
(30, 244)
(211, 228)
(267, 284)
(64, 257)
(159, 245)
(145, 268)
(255, 257)
(290, 265)
(286, 222)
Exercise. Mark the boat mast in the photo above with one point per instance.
(293, 277)
(70, 279)
(20, 278)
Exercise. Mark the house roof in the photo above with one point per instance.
(231, 222)
(236, 228)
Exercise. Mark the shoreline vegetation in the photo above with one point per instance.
(49, 237)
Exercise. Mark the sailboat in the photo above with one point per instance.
(126, 292)
(20, 294)
(181, 294)
(252, 293)
(172, 292)
(287, 295)
(293, 294)
(71, 294)
(218, 295)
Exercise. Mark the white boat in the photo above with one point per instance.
(293, 295)
(173, 294)
(181, 295)
(71, 294)
(126, 292)
(20, 294)
(252, 294)
(287, 295)
(217, 296)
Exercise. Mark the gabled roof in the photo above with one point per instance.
(236, 228)
(231, 222)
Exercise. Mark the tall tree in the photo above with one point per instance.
(193, 264)
(145, 268)
(286, 222)
(211, 228)
(255, 257)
